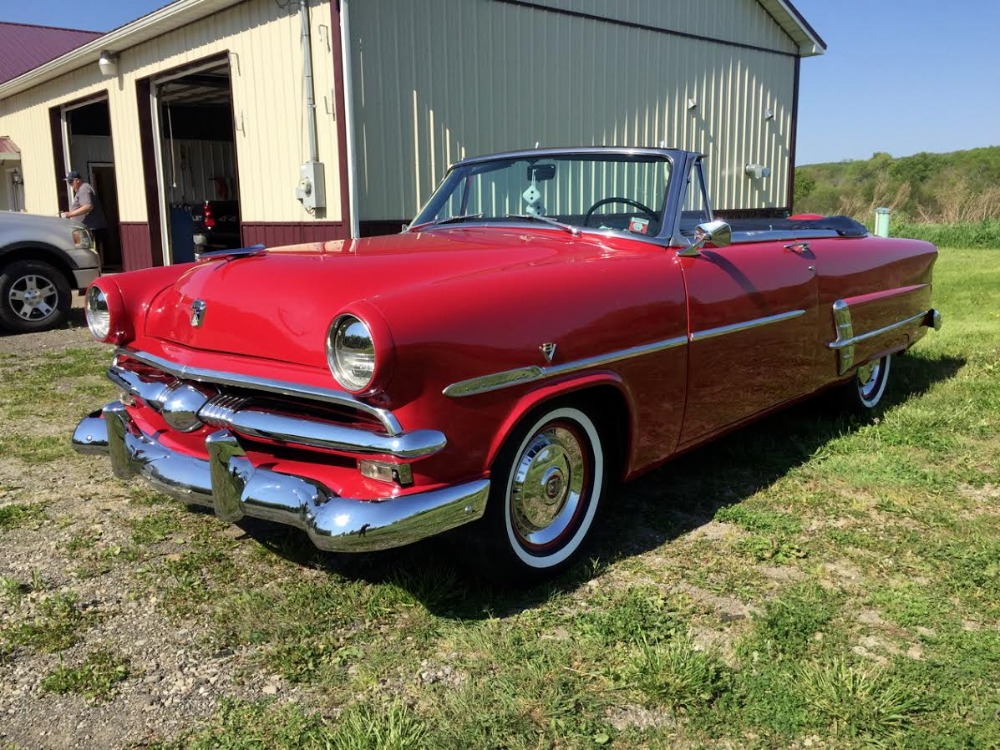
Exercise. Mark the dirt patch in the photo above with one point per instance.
(73, 550)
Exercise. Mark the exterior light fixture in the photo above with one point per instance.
(757, 171)
(108, 63)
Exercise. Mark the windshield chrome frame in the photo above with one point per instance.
(681, 164)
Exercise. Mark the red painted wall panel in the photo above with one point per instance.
(275, 234)
(137, 251)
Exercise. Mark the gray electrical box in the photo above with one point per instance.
(311, 189)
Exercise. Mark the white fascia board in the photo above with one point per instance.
(173, 16)
(796, 26)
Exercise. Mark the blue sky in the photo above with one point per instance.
(900, 76)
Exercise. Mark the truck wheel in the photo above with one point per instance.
(547, 483)
(34, 296)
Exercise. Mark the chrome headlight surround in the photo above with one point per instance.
(105, 311)
(351, 353)
(98, 313)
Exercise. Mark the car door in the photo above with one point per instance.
(752, 332)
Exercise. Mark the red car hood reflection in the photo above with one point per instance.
(279, 304)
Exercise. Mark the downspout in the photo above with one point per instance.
(307, 79)
(352, 156)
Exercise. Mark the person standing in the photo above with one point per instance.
(86, 207)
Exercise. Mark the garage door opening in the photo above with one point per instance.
(196, 160)
(89, 150)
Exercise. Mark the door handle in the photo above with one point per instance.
(799, 248)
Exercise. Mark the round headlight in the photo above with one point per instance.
(350, 352)
(98, 313)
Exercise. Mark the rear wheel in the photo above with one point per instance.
(34, 296)
(865, 392)
(547, 484)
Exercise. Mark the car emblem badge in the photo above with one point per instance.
(548, 351)
(198, 313)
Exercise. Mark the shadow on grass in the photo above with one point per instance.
(677, 498)
(75, 318)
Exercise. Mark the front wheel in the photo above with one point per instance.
(34, 296)
(547, 484)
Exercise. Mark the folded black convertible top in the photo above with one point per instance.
(844, 226)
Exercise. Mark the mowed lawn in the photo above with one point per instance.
(814, 580)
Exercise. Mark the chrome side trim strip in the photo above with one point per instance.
(745, 325)
(230, 484)
(845, 332)
(280, 387)
(851, 341)
(846, 340)
(521, 375)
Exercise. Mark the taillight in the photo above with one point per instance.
(209, 218)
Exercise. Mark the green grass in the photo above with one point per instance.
(20, 514)
(96, 679)
(980, 234)
(812, 580)
(56, 627)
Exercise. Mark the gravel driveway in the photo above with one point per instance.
(84, 560)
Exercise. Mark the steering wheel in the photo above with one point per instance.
(616, 199)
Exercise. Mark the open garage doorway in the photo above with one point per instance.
(196, 160)
(88, 148)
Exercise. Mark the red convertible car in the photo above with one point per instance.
(553, 320)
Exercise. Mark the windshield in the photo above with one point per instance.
(618, 192)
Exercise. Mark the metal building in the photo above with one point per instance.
(332, 118)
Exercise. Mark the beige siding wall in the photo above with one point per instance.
(732, 20)
(453, 78)
(268, 102)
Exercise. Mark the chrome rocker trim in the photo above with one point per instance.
(497, 380)
(521, 375)
(711, 333)
(229, 484)
(280, 387)
(232, 413)
(846, 339)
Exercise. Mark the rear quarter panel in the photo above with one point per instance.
(883, 281)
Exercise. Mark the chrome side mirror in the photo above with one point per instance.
(718, 232)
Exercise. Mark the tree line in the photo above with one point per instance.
(960, 187)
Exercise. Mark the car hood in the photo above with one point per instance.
(279, 304)
(20, 223)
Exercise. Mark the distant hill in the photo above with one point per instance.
(958, 187)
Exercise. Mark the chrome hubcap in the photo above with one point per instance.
(868, 376)
(549, 481)
(33, 297)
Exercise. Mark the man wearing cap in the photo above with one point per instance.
(87, 209)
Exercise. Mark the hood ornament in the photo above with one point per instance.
(198, 308)
(548, 351)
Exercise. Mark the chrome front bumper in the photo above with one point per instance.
(228, 483)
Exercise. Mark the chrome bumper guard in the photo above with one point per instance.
(228, 483)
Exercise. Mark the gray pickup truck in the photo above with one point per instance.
(42, 260)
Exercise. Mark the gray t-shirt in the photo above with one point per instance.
(86, 196)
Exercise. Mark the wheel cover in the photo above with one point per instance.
(33, 297)
(869, 377)
(550, 480)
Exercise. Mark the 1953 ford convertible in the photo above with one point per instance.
(551, 321)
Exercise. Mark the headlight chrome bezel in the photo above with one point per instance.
(345, 360)
(105, 312)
